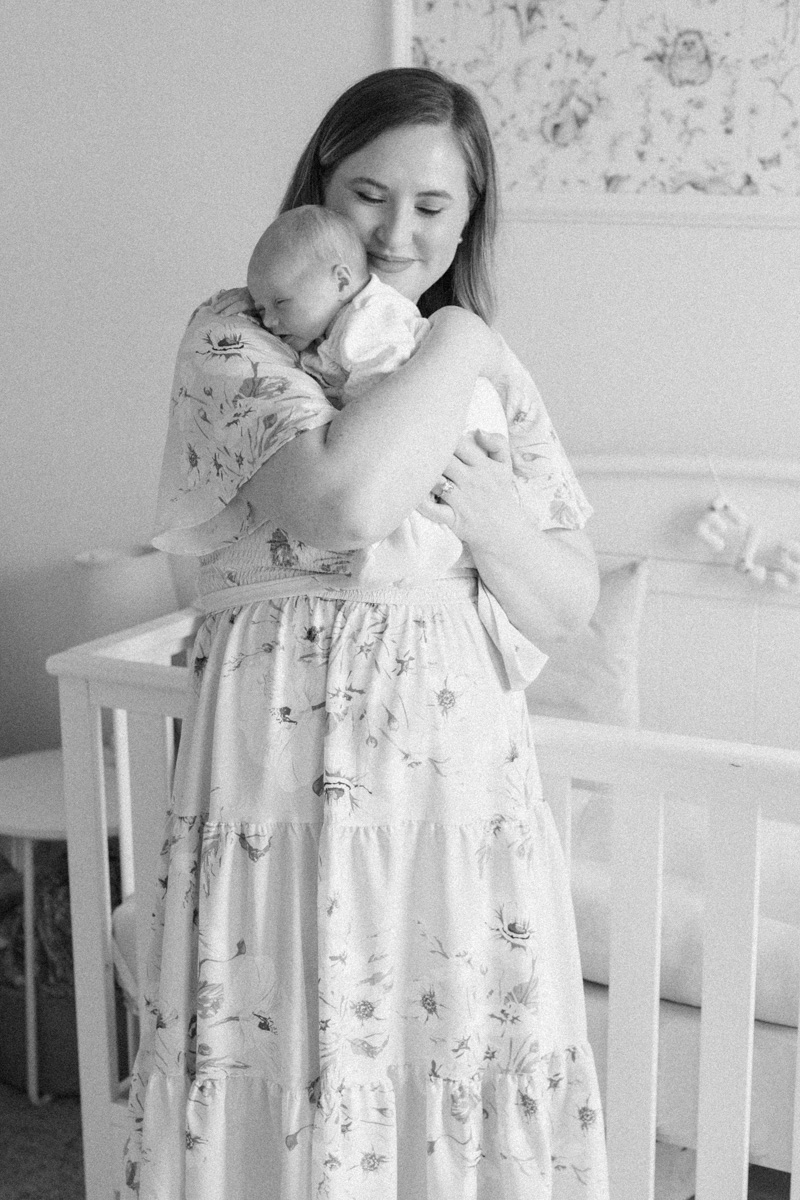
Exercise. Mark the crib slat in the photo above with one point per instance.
(150, 747)
(728, 1000)
(634, 976)
(122, 763)
(794, 1193)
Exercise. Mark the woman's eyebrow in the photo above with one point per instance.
(439, 193)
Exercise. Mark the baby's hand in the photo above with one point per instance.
(231, 302)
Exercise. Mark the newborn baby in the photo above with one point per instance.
(310, 282)
(311, 287)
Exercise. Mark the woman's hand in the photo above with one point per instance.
(477, 488)
(546, 581)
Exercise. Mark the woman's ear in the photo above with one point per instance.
(343, 276)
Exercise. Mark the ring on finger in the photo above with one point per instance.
(447, 487)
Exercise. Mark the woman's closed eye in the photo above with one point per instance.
(421, 208)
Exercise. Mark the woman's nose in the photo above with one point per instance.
(395, 229)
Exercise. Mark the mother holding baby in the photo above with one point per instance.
(364, 980)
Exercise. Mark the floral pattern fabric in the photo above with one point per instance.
(239, 394)
(364, 978)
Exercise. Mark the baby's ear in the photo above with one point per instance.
(343, 276)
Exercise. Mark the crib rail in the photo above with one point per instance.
(132, 673)
(741, 785)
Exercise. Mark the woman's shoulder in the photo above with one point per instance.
(220, 334)
(522, 399)
(238, 396)
(544, 474)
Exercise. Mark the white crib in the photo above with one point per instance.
(700, 620)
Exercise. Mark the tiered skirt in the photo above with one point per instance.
(364, 979)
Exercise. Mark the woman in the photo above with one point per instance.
(364, 978)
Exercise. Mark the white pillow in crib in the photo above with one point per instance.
(777, 982)
(684, 851)
(595, 677)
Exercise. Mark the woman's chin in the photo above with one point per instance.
(403, 280)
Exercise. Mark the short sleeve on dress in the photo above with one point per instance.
(546, 482)
(238, 396)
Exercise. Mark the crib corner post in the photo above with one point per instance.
(90, 904)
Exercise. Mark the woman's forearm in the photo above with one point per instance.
(382, 453)
(546, 583)
(393, 441)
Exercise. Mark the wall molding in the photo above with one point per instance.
(763, 470)
(750, 212)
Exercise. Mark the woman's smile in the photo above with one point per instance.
(386, 264)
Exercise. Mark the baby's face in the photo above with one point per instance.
(295, 299)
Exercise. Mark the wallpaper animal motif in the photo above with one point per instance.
(636, 96)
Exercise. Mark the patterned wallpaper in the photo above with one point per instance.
(589, 97)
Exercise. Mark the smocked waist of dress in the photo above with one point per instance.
(462, 583)
(521, 660)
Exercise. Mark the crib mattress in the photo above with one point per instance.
(777, 969)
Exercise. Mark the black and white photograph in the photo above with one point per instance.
(400, 553)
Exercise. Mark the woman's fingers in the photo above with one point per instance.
(495, 445)
(441, 514)
(467, 449)
(480, 443)
(475, 450)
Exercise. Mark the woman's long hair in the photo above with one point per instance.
(415, 96)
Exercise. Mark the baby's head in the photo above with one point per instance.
(306, 265)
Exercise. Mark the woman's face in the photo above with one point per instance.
(407, 194)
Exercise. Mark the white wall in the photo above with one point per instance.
(654, 339)
(145, 145)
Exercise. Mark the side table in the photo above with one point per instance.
(32, 810)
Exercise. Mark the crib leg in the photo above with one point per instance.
(31, 1030)
(90, 903)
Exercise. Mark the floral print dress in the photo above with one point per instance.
(364, 979)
